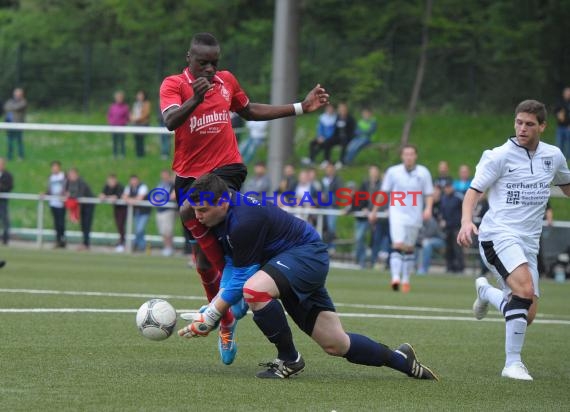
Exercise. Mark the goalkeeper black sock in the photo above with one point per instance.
(273, 323)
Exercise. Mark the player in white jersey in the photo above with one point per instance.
(412, 183)
(517, 176)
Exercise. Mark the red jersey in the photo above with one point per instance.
(206, 140)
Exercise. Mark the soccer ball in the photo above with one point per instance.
(156, 319)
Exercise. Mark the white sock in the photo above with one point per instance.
(408, 267)
(494, 296)
(396, 265)
(514, 339)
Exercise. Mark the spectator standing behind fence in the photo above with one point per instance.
(257, 134)
(76, 187)
(431, 235)
(6, 186)
(450, 207)
(462, 184)
(140, 116)
(259, 182)
(287, 184)
(113, 191)
(15, 112)
(442, 174)
(365, 130)
(56, 187)
(331, 183)
(325, 132)
(118, 115)
(134, 192)
(562, 111)
(166, 216)
(362, 227)
(165, 140)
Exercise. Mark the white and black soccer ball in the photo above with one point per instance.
(156, 319)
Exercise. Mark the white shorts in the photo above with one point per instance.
(165, 222)
(402, 233)
(504, 256)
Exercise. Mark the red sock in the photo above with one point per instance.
(208, 243)
(210, 278)
(227, 319)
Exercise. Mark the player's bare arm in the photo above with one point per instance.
(177, 115)
(468, 228)
(315, 99)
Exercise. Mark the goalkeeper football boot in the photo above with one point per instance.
(279, 369)
(480, 306)
(227, 343)
(416, 369)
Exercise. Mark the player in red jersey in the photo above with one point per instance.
(197, 104)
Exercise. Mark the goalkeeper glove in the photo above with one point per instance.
(202, 323)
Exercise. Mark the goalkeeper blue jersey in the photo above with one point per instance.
(253, 233)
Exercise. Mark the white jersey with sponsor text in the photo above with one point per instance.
(519, 187)
(415, 184)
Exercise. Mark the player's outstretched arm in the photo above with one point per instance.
(468, 228)
(315, 99)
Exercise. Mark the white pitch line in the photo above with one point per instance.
(344, 315)
(103, 294)
(201, 298)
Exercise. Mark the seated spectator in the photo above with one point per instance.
(365, 129)
(462, 184)
(113, 191)
(76, 187)
(345, 128)
(257, 134)
(325, 132)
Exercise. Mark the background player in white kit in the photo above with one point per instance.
(517, 175)
(406, 218)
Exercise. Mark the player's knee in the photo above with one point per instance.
(517, 307)
(334, 348)
(256, 299)
(524, 290)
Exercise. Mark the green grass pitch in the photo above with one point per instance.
(97, 361)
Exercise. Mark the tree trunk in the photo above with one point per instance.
(419, 75)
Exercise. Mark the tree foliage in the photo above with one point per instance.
(483, 55)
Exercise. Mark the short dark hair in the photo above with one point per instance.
(205, 39)
(209, 184)
(55, 162)
(533, 107)
(408, 146)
